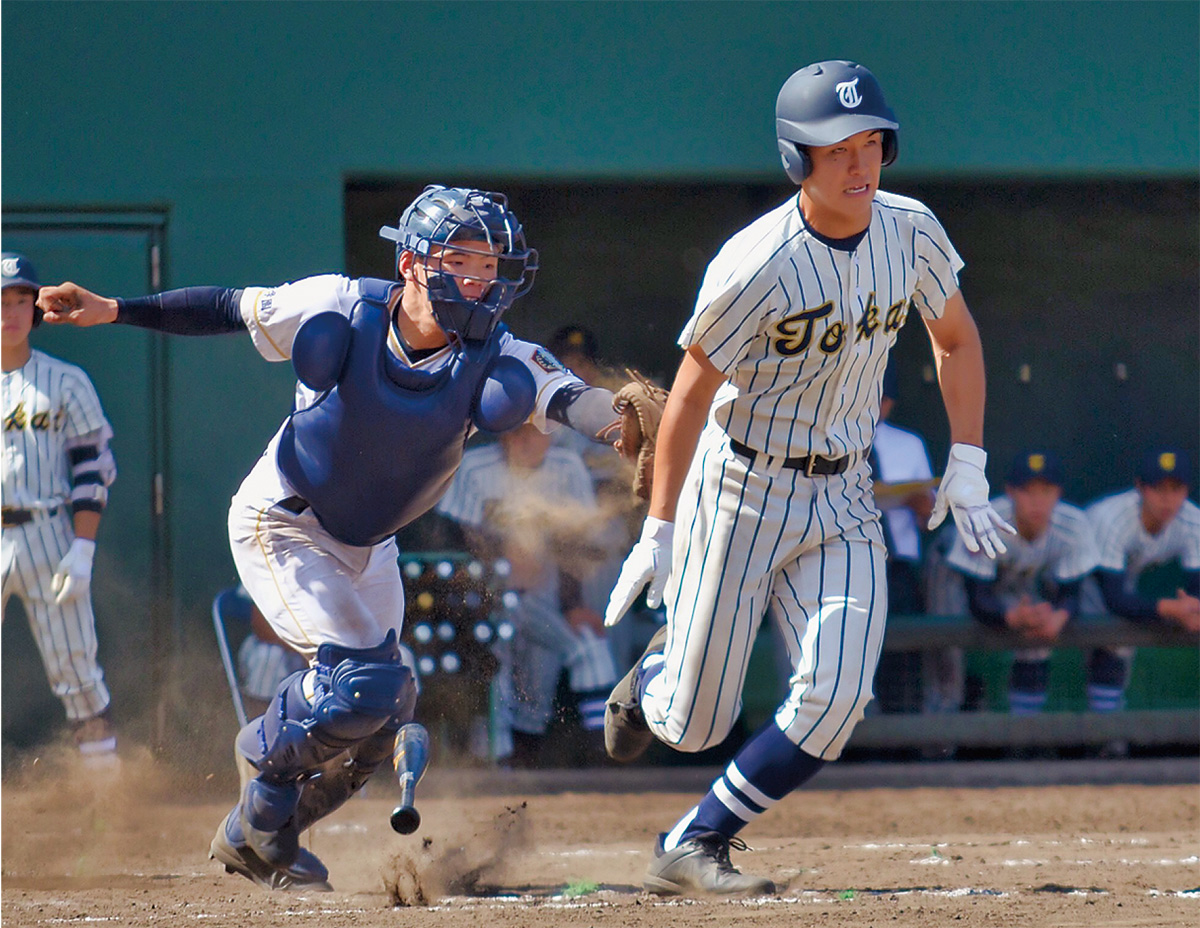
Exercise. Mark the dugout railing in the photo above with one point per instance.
(1177, 724)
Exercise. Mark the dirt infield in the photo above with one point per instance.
(569, 848)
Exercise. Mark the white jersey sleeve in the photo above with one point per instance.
(740, 289)
(274, 314)
(937, 262)
(549, 376)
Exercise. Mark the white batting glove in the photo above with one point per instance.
(964, 493)
(74, 574)
(648, 562)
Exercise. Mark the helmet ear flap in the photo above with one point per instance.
(796, 162)
(891, 146)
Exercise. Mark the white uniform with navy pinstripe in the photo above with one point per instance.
(56, 458)
(487, 493)
(1063, 554)
(801, 327)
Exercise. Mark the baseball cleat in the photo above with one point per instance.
(305, 874)
(701, 865)
(626, 734)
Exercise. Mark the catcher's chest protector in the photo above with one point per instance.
(380, 448)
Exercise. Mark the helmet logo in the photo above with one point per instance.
(10, 267)
(848, 95)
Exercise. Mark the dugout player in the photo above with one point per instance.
(533, 505)
(1146, 527)
(1033, 588)
(394, 376)
(762, 491)
(57, 471)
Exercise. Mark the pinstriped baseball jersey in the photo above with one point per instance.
(487, 493)
(1125, 545)
(1064, 553)
(51, 408)
(802, 328)
(55, 453)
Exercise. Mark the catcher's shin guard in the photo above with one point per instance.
(344, 776)
(318, 714)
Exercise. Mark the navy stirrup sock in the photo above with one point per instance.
(766, 769)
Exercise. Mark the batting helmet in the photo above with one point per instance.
(17, 271)
(441, 215)
(824, 103)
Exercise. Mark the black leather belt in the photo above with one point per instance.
(811, 464)
(293, 504)
(11, 518)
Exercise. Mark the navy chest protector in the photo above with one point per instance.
(380, 445)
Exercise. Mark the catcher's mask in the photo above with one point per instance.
(443, 216)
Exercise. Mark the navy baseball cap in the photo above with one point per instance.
(1165, 464)
(1034, 465)
(18, 271)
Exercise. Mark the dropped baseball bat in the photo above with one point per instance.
(410, 757)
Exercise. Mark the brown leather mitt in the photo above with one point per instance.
(640, 405)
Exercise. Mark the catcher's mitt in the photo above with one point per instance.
(640, 405)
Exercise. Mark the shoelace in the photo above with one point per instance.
(718, 845)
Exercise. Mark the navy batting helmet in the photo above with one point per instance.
(17, 271)
(441, 215)
(824, 103)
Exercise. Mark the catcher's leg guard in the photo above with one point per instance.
(344, 776)
(318, 714)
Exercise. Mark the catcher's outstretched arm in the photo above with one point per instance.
(588, 410)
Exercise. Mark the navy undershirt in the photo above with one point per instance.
(842, 244)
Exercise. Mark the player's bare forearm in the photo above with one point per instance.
(86, 523)
(958, 356)
(73, 305)
(683, 420)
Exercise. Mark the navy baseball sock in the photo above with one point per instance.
(766, 769)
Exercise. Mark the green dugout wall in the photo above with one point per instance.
(1059, 142)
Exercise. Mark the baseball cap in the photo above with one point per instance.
(18, 271)
(1034, 465)
(1165, 464)
(575, 339)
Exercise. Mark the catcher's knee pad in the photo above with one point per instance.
(317, 714)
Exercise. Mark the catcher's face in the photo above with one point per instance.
(473, 265)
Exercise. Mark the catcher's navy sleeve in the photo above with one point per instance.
(587, 410)
(190, 311)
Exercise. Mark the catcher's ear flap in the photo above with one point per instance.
(506, 397)
(319, 350)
